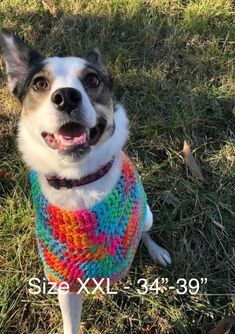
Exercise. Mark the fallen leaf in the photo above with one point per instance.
(6, 175)
(191, 162)
(222, 327)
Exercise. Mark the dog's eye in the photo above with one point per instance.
(91, 81)
(40, 84)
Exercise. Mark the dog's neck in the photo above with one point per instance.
(58, 182)
(86, 196)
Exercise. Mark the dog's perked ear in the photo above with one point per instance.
(94, 57)
(20, 58)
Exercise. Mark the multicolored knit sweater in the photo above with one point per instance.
(96, 243)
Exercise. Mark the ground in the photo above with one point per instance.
(173, 68)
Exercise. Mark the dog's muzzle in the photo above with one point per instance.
(74, 135)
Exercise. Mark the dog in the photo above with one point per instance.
(71, 135)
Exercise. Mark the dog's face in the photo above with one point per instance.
(66, 102)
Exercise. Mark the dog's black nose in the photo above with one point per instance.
(66, 99)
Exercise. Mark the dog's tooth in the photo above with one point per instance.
(83, 138)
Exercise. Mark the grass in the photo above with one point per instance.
(173, 64)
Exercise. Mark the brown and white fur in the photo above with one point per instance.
(102, 124)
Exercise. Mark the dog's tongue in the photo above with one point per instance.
(70, 134)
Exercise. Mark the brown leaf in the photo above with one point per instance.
(191, 162)
(6, 175)
(222, 327)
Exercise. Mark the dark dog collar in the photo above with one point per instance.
(58, 182)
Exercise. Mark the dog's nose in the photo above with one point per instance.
(66, 99)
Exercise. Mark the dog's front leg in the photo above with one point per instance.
(158, 254)
(71, 307)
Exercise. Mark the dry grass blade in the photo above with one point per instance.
(191, 162)
(50, 6)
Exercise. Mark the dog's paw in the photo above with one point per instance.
(160, 255)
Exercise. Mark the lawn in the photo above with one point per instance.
(173, 67)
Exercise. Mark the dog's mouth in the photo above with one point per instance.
(68, 136)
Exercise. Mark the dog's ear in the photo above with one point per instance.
(19, 59)
(94, 57)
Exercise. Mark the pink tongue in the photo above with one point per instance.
(66, 141)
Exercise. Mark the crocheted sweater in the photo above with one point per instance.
(99, 242)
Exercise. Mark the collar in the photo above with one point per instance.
(59, 182)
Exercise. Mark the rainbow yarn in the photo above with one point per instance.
(92, 243)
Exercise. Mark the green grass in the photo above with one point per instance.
(173, 65)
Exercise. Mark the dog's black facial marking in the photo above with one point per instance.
(32, 97)
(102, 74)
(101, 93)
(97, 131)
(22, 89)
(102, 97)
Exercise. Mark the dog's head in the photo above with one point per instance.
(66, 102)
